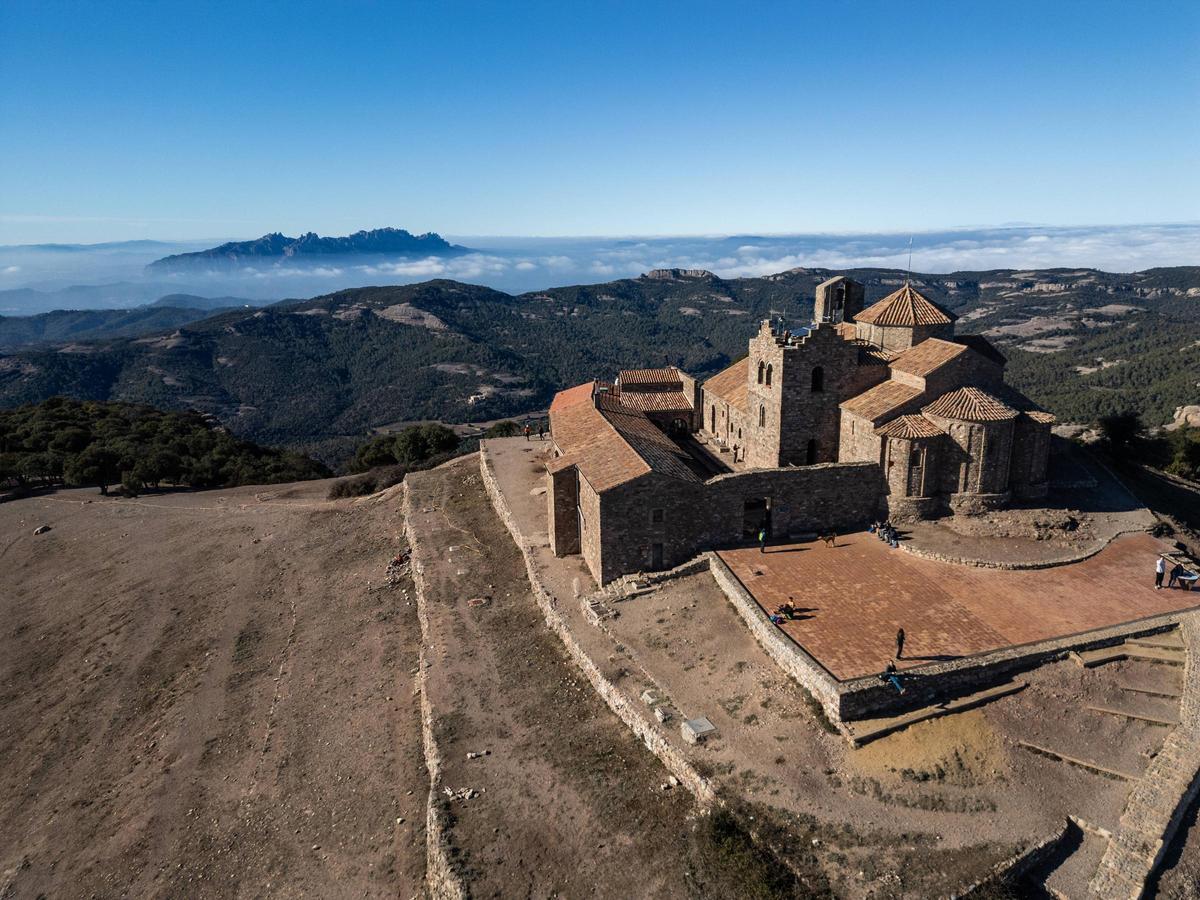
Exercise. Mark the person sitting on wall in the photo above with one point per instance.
(787, 611)
(890, 676)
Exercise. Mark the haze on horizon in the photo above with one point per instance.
(184, 122)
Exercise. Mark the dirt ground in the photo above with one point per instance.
(568, 802)
(207, 695)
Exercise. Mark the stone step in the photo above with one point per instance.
(864, 731)
(1076, 761)
(1168, 640)
(1091, 658)
(1156, 654)
(1141, 717)
(1150, 692)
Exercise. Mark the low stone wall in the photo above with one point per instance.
(1080, 556)
(622, 706)
(441, 880)
(867, 696)
(806, 671)
(1159, 799)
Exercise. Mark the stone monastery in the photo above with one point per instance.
(864, 413)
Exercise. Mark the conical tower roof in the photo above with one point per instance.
(905, 307)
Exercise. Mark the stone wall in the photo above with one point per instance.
(1030, 458)
(789, 656)
(590, 526)
(441, 880)
(810, 376)
(562, 520)
(700, 517)
(624, 708)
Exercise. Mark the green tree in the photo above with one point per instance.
(96, 465)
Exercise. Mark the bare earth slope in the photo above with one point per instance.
(569, 803)
(200, 696)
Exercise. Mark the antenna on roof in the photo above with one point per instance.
(908, 274)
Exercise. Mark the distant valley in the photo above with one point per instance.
(317, 374)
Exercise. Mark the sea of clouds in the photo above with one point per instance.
(33, 278)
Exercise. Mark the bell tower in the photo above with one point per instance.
(838, 300)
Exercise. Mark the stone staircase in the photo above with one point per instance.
(1158, 800)
(1166, 648)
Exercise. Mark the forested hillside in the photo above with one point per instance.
(315, 373)
(100, 444)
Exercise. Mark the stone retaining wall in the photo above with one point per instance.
(622, 706)
(807, 672)
(867, 696)
(441, 880)
(1014, 566)
(1158, 801)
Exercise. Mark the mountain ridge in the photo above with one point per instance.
(319, 373)
(277, 246)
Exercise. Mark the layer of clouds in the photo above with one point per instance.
(523, 264)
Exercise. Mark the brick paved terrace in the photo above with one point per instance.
(854, 596)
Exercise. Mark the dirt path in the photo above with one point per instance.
(568, 803)
(200, 696)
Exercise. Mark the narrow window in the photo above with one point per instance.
(762, 416)
(818, 380)
(714, 419)
(811, 453)
(739, 434)
(769, 369)
(656, 516)
(761, 370)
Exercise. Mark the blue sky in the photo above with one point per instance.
(198, 120)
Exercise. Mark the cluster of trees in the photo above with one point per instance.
(1176, 452)
(90, 443)
(384, 460)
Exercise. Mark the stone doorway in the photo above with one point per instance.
(756, 515)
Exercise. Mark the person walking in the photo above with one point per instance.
(541, 431)
(526, 431)
(900, 643)
(762, 540)
(1160, 569)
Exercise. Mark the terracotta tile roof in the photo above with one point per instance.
(656, 401)
(909, 427)
(970, 404)
(905, 307)
(731, 384)
(610, 443)
(1040, 416)
(881, 400)
(658, 452)
(928, 356)
(982, 346)
(656, 377)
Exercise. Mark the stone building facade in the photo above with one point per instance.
(862, 413)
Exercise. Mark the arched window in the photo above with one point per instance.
(818, 380)
(769, 370)
(762, 416)
(761, 369)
